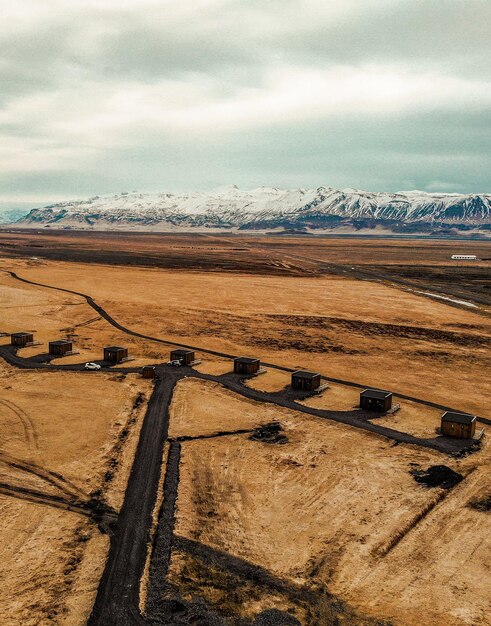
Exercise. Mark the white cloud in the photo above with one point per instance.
(85, 79)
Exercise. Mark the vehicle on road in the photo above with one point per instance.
(175, 363)
(92, 366)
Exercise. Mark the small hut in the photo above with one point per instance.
(60, 347)
(21, 339)
(460, 425)
(185, 357)
(376, 400)
(148, 371)
(305, 381)
(115, 354)
(246, 365)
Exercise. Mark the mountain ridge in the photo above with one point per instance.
(268, 208)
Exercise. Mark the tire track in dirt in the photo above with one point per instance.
(53, 478)
(102, 515)
(30, 433)
(86, 323)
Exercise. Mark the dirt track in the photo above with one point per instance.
(117, 599)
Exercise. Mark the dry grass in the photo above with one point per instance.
(349, 329)
(61, 435)
(42, 549)
(232, 251)
(440, 568)
(321, 507)
(315, 509)
(54, 315)
(203, 408)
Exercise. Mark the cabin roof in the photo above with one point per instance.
(114, 348)
(459, 418)
(245, 359)
(376, 394)
(305, 374)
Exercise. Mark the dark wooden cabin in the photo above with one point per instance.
(246, 365)
(460, 425)
(115, 354)
(305, 381)
(21, 339)
(375, 400)
(148, 371)
(60, 347)
(186, 357)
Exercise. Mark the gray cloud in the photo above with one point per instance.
(450, 36)
(379, 94)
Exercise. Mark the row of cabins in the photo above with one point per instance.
(453, 424)
(63, 347)
(56, 348)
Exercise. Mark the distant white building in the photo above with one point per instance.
(464, 257)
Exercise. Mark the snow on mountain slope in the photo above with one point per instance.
(264, 207)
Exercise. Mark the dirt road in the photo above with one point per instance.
(118, 595)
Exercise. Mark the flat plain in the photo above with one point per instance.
(331, 510)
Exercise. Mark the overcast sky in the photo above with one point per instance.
(102, 96)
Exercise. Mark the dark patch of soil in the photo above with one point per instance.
(309, 345)
(269, 433)
(433, 354)
(273, 617)
(481, 504)
(466, 282)
(221, 587)
(402, 331)
(177, 611)
(437, 476)
(139, 400)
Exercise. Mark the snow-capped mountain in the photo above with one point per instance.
(7, 216)
(264, 208)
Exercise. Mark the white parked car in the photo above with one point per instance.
(92, 366)
(174, 363)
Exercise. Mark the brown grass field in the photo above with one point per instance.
(60, 445)
(326, 505)
(335, 507)
(344, 328)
